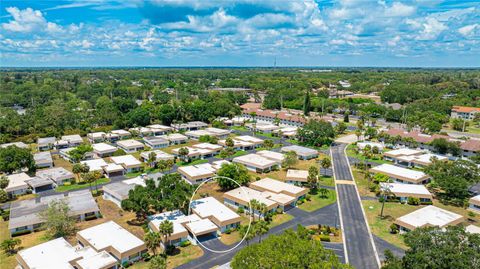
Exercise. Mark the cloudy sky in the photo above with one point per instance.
(240, 33)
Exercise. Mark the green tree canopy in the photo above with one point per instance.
(13, 158)
(235, 171)
(316, 133)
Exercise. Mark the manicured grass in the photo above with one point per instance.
(362, 183)
(239, 128)
(279, 219)
(381, 226)
(239, 153)
(317, 202)
(326, 181)
(268, 135)
(189, 143)
(199, 161)
(264, 148)
(281, 173)
(359, 156)
(77, 186)
(134, 174)
(293, 141)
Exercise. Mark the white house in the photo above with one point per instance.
(400, 174)
(103, 149)
(256, 163)
(130, 163)
(130, 145)
(428, 216)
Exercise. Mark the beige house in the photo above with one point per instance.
(429, 216)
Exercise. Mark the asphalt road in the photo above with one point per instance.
(325, 216)
(359, 246)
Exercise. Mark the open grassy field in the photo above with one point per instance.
(317, 202)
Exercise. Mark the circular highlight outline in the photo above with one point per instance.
(250, 217)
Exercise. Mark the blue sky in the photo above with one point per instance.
(423, 33)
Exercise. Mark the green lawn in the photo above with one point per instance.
(326, 181)
(199, 161)
(77, 186)
(134, 174)
(269, 135)
(317, 202)
(239, 128)
(359, 156)
(239, 153)
(264, 148)
(279, 219)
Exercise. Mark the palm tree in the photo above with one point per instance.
(323, 192)
(166, 229)
(79, 168)
(326, 163)
(152, 240)
(385, 192)
(262, 208)
(261, 228)
(152, 157)
(369, 178)
(243, 232)
(254, 206)
(254, 115)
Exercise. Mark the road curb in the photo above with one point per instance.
(339, 209)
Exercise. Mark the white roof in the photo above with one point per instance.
(248, 138)
(129, 143)
(194, 151)
(403, 151)
(97, 135)
(207, 146)
(174, 136)
(297, 174)
(103, 148)
(110, 234)
(476, 198)
(276, 156)
(472, 229)
(361, 145)
(406, 188)
(160, 155)
(135, 181)
(398, 171)
(55, 173)
(73, 138)
(17, 181)
(120, 132)
(217, 131)
(159, 127)
(17, 144)
(247, 194)
(304, 151)
(210, 206)
(199, 133)
(56, 254)
(42, 157)
(98, 260)
(112, 167)
(424, 158)
(95, 164)
(201, 226)
(267, 127)
(127, 160)
(430, 215)
(177, 218)
(255, 160)
(277, 186)
(196, 171)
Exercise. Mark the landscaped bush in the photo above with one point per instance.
(125, 264)
(90, 217)
(185, 243)
(146, 256)
(413, 201)
(228, 231)
(426, 203)
(279, 210)
(5, 214)
(393, 228)
(170, 249)
(308, 197)
(240, 210)
(21, 233)
(324, 238)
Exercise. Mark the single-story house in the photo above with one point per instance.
(474, 204)
(43, 159)
(429, 216)
(286, 132)
(117, 192)
(175, 138)
(403, 191)
(401, 175)
(141, 131)
(278, 187)
(95, 164)
(46, 143)
(196, 153)
(58, 253)
(297, 177)
(73, 140)
(17, 184)
(113, 170)
(64, 153)
(159, 155)
(303, 153)
(58, 175)
(210, 208)
(24, 214)
(272, 155)
(196, 134)
(195, 174)
(103, 150)
(130, 145)
(256, 163)
(158, 129)
(113, 238)
(189, 126)
(262, 127)
(39, 184)
(130, 163)
(96, 137)
(16, 144)
(393, 155)
(155, 142)
(115, 135)
(242, 196)
(178, 219)
(419, 160)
